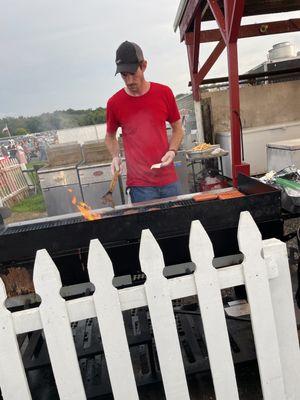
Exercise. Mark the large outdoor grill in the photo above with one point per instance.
(67, 238)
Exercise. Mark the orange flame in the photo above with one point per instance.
(84, 208)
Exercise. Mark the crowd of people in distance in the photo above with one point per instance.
(27, 148)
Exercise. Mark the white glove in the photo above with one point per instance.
(168, 158)
(116, 165)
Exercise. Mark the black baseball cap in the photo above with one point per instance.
(128, 57)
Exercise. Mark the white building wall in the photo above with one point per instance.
(82, 134)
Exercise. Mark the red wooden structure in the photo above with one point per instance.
(228, 15)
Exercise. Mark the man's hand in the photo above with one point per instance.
(168, 158)
(116, 165)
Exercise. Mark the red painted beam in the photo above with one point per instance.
(234, 100)
(189, 14)
(251, 30)
(195, 88)
(196, 42)
(233, 15)
(219, 17)
(235, 20)
(228, 11)
(209, 62)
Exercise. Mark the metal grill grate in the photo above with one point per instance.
(115, 213)
(150, 207)
(42, 225)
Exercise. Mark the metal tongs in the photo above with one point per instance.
(108, 197)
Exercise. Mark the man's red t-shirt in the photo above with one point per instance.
(143, 122)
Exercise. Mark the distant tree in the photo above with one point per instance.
(52, 121)
(33, 124)
(21, 131)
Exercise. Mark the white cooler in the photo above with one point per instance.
(283, 154)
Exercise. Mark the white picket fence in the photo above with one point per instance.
(13, 185)
(264, 271)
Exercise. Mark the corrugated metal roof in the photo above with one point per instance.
(252, 7)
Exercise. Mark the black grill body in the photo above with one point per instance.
(67, 240)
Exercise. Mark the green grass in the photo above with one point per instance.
(37, 163)
(30, 204)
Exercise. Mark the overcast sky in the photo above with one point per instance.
(59, 54)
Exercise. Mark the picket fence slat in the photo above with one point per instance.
(9, 173)
(162, 319)
(283, 306)
(262, 317)
(27, 320)
(13, 185)
(271, 306)
(109, 314)
(212, 313)
(13, 382)
(57, 329)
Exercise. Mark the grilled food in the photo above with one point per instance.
(205, 197)
(201, 147)
(230, 195)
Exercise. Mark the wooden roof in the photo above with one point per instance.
(252, 7)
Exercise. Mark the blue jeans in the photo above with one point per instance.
(144, 193)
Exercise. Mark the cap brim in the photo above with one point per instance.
(132, 68)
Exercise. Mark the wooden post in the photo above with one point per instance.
(199, 122)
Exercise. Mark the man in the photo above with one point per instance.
(141, 109)
(4, 151)
(12, 149)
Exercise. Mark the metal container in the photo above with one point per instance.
(281, 51)
(255, 142)
(59, 185)
(283, 154)
(95, 180)
(64, 154)
(95, 152)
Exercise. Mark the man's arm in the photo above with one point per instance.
(112, 144)
(177, 135)
(113, 147)
(176, 138)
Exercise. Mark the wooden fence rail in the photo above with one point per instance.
(264, 271)
(13, 185)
